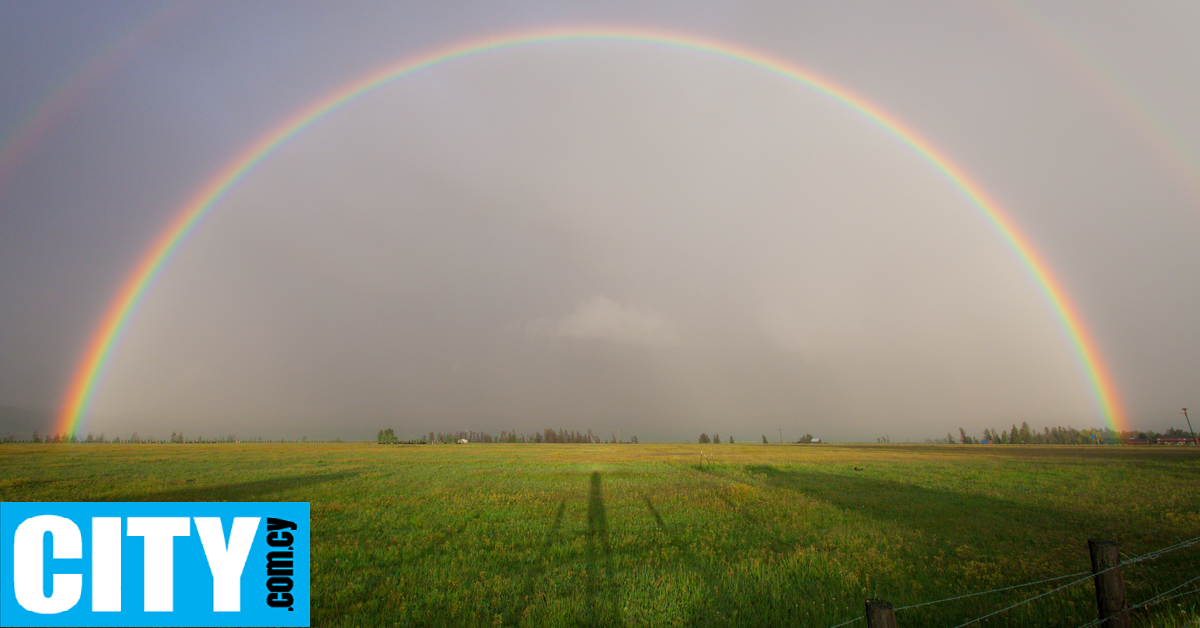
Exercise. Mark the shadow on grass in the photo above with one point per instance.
(535, 569)
(950, 518)
(731, 599)
(959, 517)
(251, 491)
(601, 588)
(654, 512)
(599, 583)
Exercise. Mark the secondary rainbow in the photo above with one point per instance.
(1164, 142)
(35, 129)
(83, 382)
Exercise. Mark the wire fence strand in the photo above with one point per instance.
(1152, 601)
(1015, 586)
(1027, 600)
(1156, 600)
(1147, 556)
(1159, 552)
(1192, 592)
(1151, 555)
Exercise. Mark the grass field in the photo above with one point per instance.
(606, 535)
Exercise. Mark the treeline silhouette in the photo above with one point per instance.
(1025, 435)
(548, 435)
(176, 437)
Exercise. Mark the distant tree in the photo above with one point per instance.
(36, 437)
(807, 438)
(633, 440)
(963, 438)
(716, 438)
(704, 438)
(730, 440)
(764, 439)
(949, 438)
(1026, 435)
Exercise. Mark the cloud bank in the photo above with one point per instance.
(604, 320)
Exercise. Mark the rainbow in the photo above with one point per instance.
(14, 150)
(83, 382)
(1164, 143)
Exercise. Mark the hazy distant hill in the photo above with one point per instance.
(21, 422)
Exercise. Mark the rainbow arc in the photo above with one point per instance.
(90, 367)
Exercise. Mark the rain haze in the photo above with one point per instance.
(605, 233)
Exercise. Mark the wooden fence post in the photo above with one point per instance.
(1110, 586)
(880, 614)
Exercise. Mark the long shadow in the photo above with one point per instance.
(533, 570)
(962, 517)
(688, 555)
(990, 526)
(954, 518)
(602, 606)
(721, 603)
(654, 512)
(234, 491)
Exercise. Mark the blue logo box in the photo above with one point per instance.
(154, 564)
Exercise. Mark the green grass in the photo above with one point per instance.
(603, 535)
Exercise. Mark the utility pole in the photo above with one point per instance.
(781, 436)
(1194, 441)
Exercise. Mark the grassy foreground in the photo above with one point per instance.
(751, 535)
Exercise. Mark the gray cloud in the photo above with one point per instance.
(607, 235)
(605, 320)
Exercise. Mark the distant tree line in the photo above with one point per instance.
(716, 439)
(1025, 435)
(548, 435)
(1153, 436)
(176, 437)
(1013, 436)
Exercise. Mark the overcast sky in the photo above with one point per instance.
(602, 235)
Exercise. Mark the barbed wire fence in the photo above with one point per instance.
(1159, 598)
